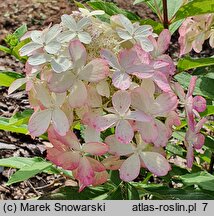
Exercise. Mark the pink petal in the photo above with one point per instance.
(96, 165)
(101, 123)
(148, 131)
(61, 82)
(161, 81)
(100, 178)
(78, 53)
(116, 147)
(141, 99)
(39, 122)
(199, 104)
(95, 148)
(121, 101)
(139, 116)
(85, 173)
(143, 71)
(200, 141)
(164, 103)
(163, 41)
(126, 57)
(190, 156)
(69, 141)
(179, 91)
(191, 86)
(111, 58)
(199, 125)
(121, 80)
(67, 160)
(155, 163)
(95, 70)
(124, 131)
(78, 94)
(162, 137)
(130, 169)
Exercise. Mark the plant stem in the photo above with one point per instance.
(211, 164)
(165, 15)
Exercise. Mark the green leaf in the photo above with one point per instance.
(18, 162)
(172, 6)
(175, 149)
(5, 49)
(20, 31)
(6, 126)
(72, 193)
(189, 63)
(204, 71)
(7, 77)
(161, 192)
(195, 7)
(21, 117)
(115, 177)
(132, 192)
(209, 142)
(27, 172)
(202, 179)
(111, 9)
(175, 25)
(209, 111)
(204, 85)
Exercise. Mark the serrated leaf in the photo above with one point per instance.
(189, 63)
(6, 126)
(111, 9)
(27, 172)
(203, 179)
(204, 85)
(71, 193)
(175, 149)
(20, 31)
(7, 77)
(195, 7)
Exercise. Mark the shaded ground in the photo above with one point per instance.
(37, 14)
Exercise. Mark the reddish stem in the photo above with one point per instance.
(165, 15)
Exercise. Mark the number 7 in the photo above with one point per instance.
(205, 205)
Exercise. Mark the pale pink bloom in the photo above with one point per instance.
(50, 113)
(124, 65)
(121, 114)
(139, 155)
(194, 140)
(160, 47)
(194, 31)
(192, 105)
(69, 154)
(72, 80)
(154, 131)
(157, 70)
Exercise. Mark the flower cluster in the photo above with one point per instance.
(106, 76)
(194, 31)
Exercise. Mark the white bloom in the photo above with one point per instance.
(75, 29)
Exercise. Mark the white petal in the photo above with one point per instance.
(60, 122)
(84, 37)
(84, 22)
(53, 47)
(29, 48)
(36, 37)
(52, 33)
(67, 36)
(60, 65)
(37, 59)
(69, 22)
(16, 84)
